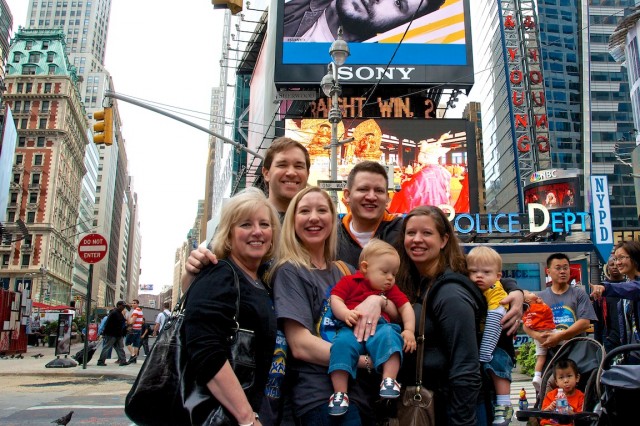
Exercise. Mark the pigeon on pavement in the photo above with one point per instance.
(64, 419)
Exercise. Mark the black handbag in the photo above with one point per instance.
(415, 405)
(164, 393)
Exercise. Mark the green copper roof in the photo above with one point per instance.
(39, 52)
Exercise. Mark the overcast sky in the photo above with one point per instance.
(168, 53)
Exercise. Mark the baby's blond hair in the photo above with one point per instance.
(486, 256)
(375, 248)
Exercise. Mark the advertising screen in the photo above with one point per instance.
(554, 195)
(431, 160)
(432, 48)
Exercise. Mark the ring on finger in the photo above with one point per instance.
(369, 322)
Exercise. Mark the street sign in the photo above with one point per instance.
(332, 185)
(296, 95)
(92, 248)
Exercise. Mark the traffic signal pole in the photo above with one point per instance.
(110, 94)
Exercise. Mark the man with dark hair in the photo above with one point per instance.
(134, 336)
(112, 334)
(286, 170)
(367, 196)
(571, 307)
(318, 20)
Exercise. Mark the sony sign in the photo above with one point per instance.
(366, 73)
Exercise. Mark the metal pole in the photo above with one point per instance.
(110, 94)
(335, 117)
(86, 337)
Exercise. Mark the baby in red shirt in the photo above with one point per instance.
(379, 263)
(538, 317)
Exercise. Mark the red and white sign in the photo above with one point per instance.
(92, 248)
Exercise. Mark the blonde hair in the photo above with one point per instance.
(290, 248)
(486, 256)
(375, 248)
(239, 207)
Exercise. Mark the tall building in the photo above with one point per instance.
(49, 162)
(6, 23)
(86, 25)
(586, 93)
(85, 223)
(611, 113)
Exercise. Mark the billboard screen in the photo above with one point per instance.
(554, 189)
(433, 48)
(431, 159)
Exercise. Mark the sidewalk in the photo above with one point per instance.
(36, 366)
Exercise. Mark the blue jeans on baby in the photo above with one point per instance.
(346, 350)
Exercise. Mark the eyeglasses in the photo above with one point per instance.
(620, 258)
(561, 268)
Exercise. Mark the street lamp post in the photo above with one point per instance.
(330, 84)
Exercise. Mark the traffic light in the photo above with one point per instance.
(235, 6)
(104, 127)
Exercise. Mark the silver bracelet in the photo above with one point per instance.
(256, 417)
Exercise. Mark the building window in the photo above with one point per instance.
(31, 217)
(35, 179)
(37, 160)
(47, 88)
(27, 106)
(45, 44)
(19, 87)
(17, 106)
(34, 57)
(29, 87)
(26, 260)
(98, 188)
(28, 45)
(52, 69)
(11, 217)
(40, 142)
(24, 123)
(13, 198)
(19, 158)
(5, 259)
(45, 106)
(33, 197)
(29, 69)
(43, 123)
(16, 178)
(16, 57)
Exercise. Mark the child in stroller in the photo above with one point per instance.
(565, 373)
(587, 355)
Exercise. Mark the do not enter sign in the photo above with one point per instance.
(92, 248)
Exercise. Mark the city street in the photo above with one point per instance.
(30, 400)
(36, 395)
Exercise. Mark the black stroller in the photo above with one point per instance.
(619, 386)
(588, 354)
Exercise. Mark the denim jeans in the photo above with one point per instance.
(319, 416)
(346, 350)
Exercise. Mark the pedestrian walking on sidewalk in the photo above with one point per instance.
(113, 334)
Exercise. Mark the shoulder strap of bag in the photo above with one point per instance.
(344, 269)
(420, 340)
(236, 283)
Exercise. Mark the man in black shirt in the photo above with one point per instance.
(112, 334)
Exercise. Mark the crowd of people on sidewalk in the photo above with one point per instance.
(125, 325)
